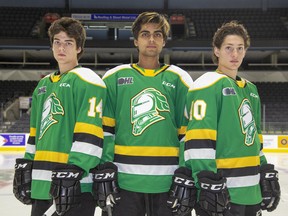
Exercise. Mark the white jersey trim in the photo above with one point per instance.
(115, 69)
(87, 179)
(30, 148)
(43, 175)
(146, 169)
(89, 76)
(86, 148)
(243, 181)
(184, 76)
(207, 79)
(202, 153)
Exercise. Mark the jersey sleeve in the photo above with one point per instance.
(258, 125)
(87, 146)
(200, 140)
(185, 82)
(109, 121)
(30, 145)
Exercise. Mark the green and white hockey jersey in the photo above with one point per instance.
(65, 126)
(224, 135)
(144, 123)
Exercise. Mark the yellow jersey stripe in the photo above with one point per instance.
(182, 130)
(146, 151)
(261, 138)
(81, 127)
(110, 122)
(201, 134)
(238, 162)
(32, 132)
(51, 156)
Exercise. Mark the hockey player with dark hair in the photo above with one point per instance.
(66, 133)
(223, 144)
(144, 123)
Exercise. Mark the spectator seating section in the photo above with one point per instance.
(270, 24)
(10, 89)
(21, 125)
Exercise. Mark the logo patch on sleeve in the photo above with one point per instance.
(228, 91)
(125, 80)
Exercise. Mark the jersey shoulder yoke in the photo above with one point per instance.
(89, 76)
(116, 69)
(207, 79)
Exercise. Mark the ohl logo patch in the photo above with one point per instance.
(125, 81)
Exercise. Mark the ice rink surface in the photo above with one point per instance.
(12, 207)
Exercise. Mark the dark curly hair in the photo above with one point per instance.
(230, 28)
(73, 28)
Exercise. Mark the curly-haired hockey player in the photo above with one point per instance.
(66, 135)
(223, 145)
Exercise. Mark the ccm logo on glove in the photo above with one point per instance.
(66, 175)
(183, 181)
(271, 175)
(21, 166)
(213, 187)
(103, 176)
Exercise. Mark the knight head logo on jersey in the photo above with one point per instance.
(145, 108)
(248, 124)
(52, 106)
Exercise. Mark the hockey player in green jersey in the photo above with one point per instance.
(223, 144)
(144, 121)
(66, 133)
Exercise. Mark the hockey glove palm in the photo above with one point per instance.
(270, 187)
(182, 194)
(65, 187)
(105, 185)
(22, 180)
(214, 196)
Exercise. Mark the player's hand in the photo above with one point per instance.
(22, 180)
(214, 197)
(270, 187)
(182, 193)
(65, 187)
(105, 185)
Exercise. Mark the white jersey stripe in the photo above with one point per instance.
(30, 148)
(199, 154)
(86, 148)
(146, 169)
(243, 181)
(45, 175)
(87, 179)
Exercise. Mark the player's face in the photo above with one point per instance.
(150, 40)
(231, 53)
(64, 49)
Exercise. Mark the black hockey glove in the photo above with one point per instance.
(270, 187)
(22, 180)
(182, 193)
(214, 197)
(65, 187)
(105, 185)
